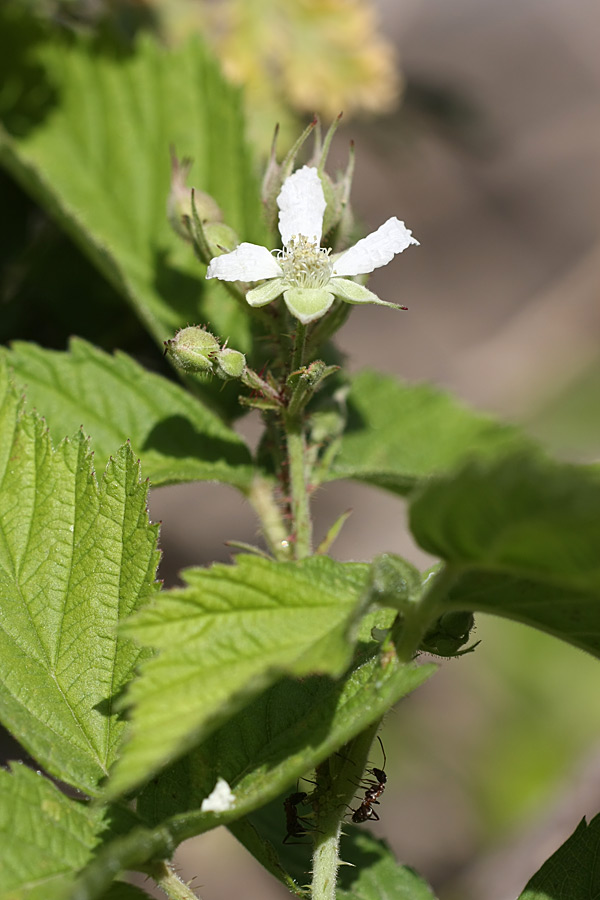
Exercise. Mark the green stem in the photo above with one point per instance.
(419, 616)
(298, 484)
(293, 423)
(267, 510)
(336, 787)
(172, 885)
(299, 346)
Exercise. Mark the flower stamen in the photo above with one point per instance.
(304, 264)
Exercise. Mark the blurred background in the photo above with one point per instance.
(478, 123)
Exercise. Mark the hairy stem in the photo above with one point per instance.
(299, 346)
(336, 786)
(169, 882)
(293, 423)
(298, 483)
(267, 510)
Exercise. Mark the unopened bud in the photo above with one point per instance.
(229, 363)
(179, 201)
(220, 238)
(193, 349)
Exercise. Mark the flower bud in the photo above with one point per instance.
(229, 363)
(179, 201)
(193, 349)
(220, 238)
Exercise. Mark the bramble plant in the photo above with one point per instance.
(156, 715)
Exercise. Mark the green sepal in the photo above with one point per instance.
(352, 292)
(265, 293)
(307, 304)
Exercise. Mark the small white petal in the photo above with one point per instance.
(301, 205)
(248, 262)
(221, 799)
(376, 250)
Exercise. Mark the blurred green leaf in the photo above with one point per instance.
(224, 638)
(75, 558)
(375, 874)
(521, 536)
(400, 433)
(114, 399)
(573, 872)
(95, 152)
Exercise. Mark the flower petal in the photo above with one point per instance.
(307, 304)
(266, 292)
(248, 262)
(352, 292)
(301, 203)
(376, 250)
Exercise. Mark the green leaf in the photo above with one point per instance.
(573, 872)
(283, 734)
(95, 153)
(399, 433)
(375, 874)
(260, 752)
(521, 537)
(224, 638)
(46, 838)
(114, 399)
(75, 558)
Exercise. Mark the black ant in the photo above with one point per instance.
(374, 790)
(297, 826)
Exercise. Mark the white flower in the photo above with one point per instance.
(220, 800)
(306, 274)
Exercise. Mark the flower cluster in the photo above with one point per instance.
(308, 276)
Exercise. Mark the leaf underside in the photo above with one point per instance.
(573, 872)
(522, 537)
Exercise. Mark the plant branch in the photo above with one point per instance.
(298, 483)
(170, 883)
(267, 510)
(299, 347)
(336, 787)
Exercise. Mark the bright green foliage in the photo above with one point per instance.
(400, 433)
(375, 873)
(76, 557)
(287, 730)
(261, 751)
(226, 636)
(96, 155)
(114, 399)
(522, 536)
(45, 838)
(573, 872)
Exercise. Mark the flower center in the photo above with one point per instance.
(305, 264)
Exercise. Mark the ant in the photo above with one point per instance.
(374, 790)
(297, 826)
